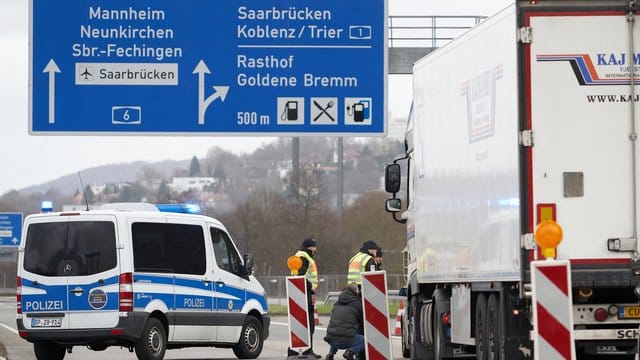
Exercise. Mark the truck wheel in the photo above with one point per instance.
(153, 342)
(480, 327)
(251, 339)
(438, 340)
(495, 343)
(406, 350)
(417, 349)
(45, 350)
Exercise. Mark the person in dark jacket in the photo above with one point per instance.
(346, 324)
(378, 258)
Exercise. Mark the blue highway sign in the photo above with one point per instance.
(232, 67)
(10, 229)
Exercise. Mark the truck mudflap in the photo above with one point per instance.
(605, 349)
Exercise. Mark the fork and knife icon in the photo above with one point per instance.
(323, 110)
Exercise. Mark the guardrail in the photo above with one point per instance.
(275, 286)
(332, 296)
(428, 31)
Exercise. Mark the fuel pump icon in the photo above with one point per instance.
(358, 111)
(290, 110)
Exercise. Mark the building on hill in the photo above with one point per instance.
(190, 183)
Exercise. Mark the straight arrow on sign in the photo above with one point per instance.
(52, 68)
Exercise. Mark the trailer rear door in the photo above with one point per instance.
(579, 106)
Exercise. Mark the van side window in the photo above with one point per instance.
(88, 247)
(169, 248)
(226, 255)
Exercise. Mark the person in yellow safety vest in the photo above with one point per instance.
(310, 271)
(362, 261)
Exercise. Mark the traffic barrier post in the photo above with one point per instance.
(375, 304)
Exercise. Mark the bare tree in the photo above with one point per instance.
(151, 177)
(311, 197)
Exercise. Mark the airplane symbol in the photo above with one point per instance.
(86, 74)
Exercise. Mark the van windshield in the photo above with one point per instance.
(70, 248)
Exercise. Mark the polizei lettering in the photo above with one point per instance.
(265, 32)
(43, 305)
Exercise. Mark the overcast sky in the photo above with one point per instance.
(30, 160)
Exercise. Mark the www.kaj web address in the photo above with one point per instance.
(612, 98)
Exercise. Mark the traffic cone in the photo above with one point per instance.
(398, 329)
(316, 319)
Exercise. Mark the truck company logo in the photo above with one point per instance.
(480, 92)
(608, 69)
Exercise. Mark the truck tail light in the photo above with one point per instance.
(601, 314)
(446, 318)
(19, 294)
(126, 292)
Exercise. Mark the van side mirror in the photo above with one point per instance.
(392, 178)
(248, 264)
(393, 205)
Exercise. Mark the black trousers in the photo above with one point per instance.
(310, 307)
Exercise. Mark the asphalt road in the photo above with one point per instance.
(274, 348)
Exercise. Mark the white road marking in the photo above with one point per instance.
(10, 329)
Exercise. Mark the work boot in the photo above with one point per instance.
(349, 355)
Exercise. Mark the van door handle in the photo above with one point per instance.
(77, 291)
(220, 283)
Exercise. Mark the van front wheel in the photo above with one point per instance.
(153, 342)
(48, 351)
(251, 339)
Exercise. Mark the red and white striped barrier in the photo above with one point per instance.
(397, 331)
(375, 304)
(299, 327)
(552, 311)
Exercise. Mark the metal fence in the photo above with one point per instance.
(8, 270)
(275, 286)
(276, 290)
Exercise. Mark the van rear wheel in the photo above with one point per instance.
(48, 351)
(153, 342)
(251, 339)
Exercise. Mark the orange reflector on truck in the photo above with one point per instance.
(545, 212)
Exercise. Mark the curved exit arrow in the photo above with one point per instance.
(52, 68)
(220, 91)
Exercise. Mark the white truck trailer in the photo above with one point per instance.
(530, 116)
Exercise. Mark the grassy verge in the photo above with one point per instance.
(323, 309)
(3, 352)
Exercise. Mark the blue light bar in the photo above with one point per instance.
(180, 208)
(46, 206)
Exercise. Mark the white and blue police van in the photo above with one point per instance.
(137, 277)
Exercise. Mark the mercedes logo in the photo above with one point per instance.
(67, 268)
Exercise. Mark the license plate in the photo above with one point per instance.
(629, 312)
(46, 322)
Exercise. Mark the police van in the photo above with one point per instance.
(137, 277)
